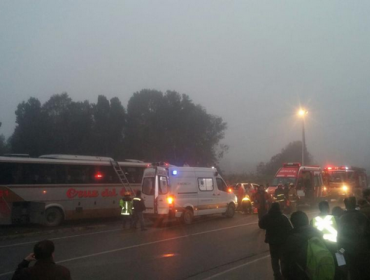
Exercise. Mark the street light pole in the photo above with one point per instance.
(302, 113)
(303, 141)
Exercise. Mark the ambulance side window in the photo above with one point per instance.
(205, 184)
(163, 186)
(221, 185)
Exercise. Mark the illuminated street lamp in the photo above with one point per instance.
(302, 113)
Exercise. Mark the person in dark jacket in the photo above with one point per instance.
(280, 195)
(295, 249)
(353, 237)
(139, 208)
(261, 201)
(277, 227)
(44, 268)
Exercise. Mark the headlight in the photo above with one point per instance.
(245, 199)
(345, 188)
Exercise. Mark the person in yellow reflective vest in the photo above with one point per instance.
(126, 204)
(327, 225)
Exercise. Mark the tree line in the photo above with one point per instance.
(157, 126)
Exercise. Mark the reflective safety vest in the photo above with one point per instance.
(328, 226)
(127, 207)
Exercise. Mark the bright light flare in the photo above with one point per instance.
(302, 112)
(170, 200)
(325, 225)
(345, 188)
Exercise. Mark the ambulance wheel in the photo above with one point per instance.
(187, 217)
(230, 212)
(53, 217)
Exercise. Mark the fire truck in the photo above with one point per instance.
(306, 179)
(342, 181)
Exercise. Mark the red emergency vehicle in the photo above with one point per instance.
(342, 181)
(306, 179)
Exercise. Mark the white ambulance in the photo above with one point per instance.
(184, 192)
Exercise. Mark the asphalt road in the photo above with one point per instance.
(212, 248)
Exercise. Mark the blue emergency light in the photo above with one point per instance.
(174, 172)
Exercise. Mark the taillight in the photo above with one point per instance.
(170, 200)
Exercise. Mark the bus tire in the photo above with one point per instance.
(53, 216)
(187, 216)
(230, 212)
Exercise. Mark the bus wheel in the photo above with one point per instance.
(53, 216)
(187, 216)
(230, 210)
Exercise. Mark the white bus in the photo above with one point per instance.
(53, 188)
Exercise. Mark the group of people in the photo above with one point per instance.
(340, 240)
(287, 197)
(132, 210)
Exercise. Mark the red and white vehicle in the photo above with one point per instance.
(341, 181)
(302, 177)
(53, 188)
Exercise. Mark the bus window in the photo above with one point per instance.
(9, 174)
(133, 174)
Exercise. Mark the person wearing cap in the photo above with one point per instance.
(139, 208)
(126, 209)
(292, 198)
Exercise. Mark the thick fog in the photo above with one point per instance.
(254, 63)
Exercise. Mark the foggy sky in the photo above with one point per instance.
(251, 62)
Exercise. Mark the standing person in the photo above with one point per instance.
(280, 196)
(292, 198)
(353, 237)
(337, 212)
(277, 227)
(295, 249)
(126, 209)
(308, 190)
(44, 268)
(139, 208)
(365, 205)
(328, 225)
(261, 201)
(241, 194)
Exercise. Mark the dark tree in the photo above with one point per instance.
(171, 127)
(4, 147)
(108, 127)
(28, 136)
